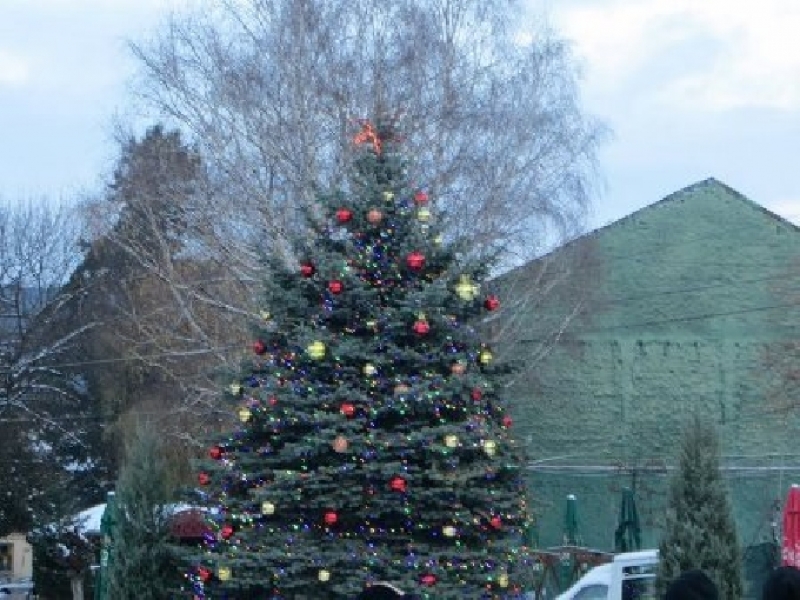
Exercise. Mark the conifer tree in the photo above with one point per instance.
(375, 444)
(141, 564)
(700, 532)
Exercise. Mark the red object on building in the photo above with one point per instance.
(348, 409)
(491, 303)
(188, 525)
(496, 522)
(790, 549)
(330, 517)
(204, 574)
(335, 287)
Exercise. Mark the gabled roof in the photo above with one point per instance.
(710, 186)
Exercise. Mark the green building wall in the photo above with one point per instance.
(686, 306)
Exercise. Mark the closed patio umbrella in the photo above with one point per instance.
(790, 548)
(628, 535)
(571, 522)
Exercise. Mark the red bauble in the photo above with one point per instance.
(496, 522)
(507, 421)
(335, 287)
(491, 303)
(215, 452)
(428, 579)
(415, 261)
(226, 532)
(330, 517)
(204, 574)
(348, 409)
(259, 347)
(374, 216)
(397, 484)
(343, 215)
(421, 197)
(203, 478)
(421, 327)
(476, 394)
(307, 270)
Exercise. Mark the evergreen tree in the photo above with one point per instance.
(700, 532)
(141, 564)
(375, 443)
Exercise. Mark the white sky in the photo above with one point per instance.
(691, 89)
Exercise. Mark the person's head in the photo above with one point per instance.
(382, 591)
(692, 585)
(782, 584)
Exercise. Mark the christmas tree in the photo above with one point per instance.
(374, 442)
(699, 531)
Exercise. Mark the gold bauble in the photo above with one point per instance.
(438, 240)
(502, 581)
(224, 573)
(485, 357)
(449, 531)
(401, 388)
(466, 289)
(265, 315)
(424, 215)
(490, 447)
(388, 195)
(267, 508)
(235, 388)
(340, 443)
(458, 368)
(244, 414)
(451, 440)
(316, 350)
(324, 575)
(369, 369)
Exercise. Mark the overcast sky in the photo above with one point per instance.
(691, 89)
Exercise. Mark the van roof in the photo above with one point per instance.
(637, 556)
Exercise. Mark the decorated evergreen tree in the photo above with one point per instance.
(699, 530)
(375, 444)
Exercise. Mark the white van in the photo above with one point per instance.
(630, 576)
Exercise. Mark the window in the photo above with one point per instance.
(597, 591)
(6, 562)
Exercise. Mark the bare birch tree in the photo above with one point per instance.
(46, 419)
(269, 90)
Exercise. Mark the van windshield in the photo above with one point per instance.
(639, 582)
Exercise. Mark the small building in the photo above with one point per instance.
(16, 558)
(688, 306)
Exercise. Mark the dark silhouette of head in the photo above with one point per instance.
(692, 585)
(782, 584)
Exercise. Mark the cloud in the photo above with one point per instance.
(14, 71)
(726, 54)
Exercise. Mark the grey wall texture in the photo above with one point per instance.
(688, 307)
